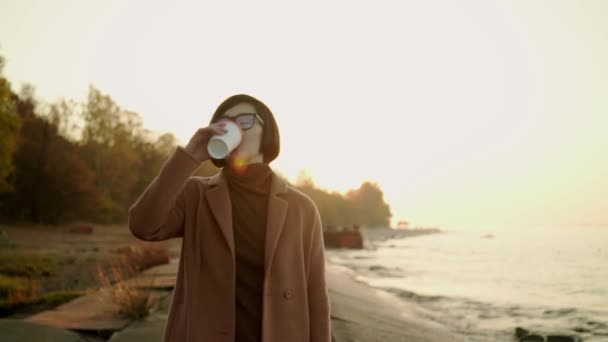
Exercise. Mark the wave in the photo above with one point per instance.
(414, 296)
(482, 321)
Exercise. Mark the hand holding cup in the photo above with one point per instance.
(197, 146)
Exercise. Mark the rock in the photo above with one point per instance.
(561, 338)
(376, 268)
(521, 332)
(94, 312)
(150, 282)
(523, 335)
(14, 330)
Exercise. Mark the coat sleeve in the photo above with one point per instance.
(158, 214)
(318, 296)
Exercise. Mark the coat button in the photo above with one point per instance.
(288, 293)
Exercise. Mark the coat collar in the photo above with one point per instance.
(218, 198)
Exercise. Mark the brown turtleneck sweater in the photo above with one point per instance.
(249, 191)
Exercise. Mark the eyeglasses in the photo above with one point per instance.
(244, 120)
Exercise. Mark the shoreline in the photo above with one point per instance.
(361, 312)
(372, 236)
(380, 309)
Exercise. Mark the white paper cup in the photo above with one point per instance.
(220, 145)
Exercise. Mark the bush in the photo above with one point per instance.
(133, 302)
(144, 255)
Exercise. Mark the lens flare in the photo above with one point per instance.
(239, 164)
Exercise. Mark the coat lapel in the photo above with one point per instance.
(218, 198)
(277, 210)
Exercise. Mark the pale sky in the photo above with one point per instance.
(466, 113)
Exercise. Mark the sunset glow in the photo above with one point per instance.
(466, 113)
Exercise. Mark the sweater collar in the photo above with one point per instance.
(255, 177)
(278, 184)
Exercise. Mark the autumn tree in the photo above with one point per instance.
(368, 202)
(9, 128)
(50, 182)
(363, 206)
(109, 138)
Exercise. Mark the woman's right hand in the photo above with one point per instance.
(197, 146)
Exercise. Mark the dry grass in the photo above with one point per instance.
(21, 276)
(25, 294)
(143, 255)
(133, 301)
(66, 264)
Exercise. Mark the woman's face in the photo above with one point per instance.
(248, 150)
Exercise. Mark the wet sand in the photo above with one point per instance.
(362, 313)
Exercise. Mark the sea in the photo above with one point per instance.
(482, 284)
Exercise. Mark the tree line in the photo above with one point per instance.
(363, 206)
(71, 161)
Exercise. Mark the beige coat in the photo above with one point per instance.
(296, 305)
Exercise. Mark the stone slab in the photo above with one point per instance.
(150, 282)
(16, 330)
(169, 269)
(97, 312)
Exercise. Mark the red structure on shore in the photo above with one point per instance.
(343, 237)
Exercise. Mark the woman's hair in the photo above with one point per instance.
(270, 145)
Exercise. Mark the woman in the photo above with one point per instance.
(252, 264)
